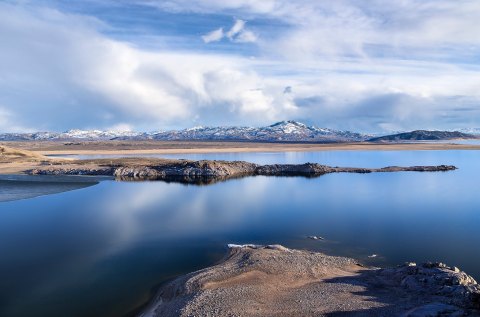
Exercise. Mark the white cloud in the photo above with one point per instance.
(7, 123)
(350, 27)
(121, 127)
(237, 33)
(346, 65)
(237, 27)
(75, 76)
(245, 37)
(211, 6)
(214, 36)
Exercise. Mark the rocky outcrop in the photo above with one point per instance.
(435, 168)
(77, 170)
(272, 280)
(205, 171)
(208, 171)
(449, 283)
(308, 169)
(187, 169)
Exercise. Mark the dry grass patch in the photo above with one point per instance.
(8, 154)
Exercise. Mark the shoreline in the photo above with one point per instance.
(204, 147)
(254, 280)
(201, 172)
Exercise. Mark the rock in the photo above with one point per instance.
(201, 172)
(307, 169)
(277, 247)
(439, 279)
(54, 170)
(142, 172)
(244, 246)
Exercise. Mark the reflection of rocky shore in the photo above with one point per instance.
(203, 172)
(275, 281)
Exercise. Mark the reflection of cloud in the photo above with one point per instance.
(176, 211)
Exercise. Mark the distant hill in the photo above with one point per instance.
(284, 131)
(424, 135)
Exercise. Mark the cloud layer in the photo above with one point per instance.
(411, 64)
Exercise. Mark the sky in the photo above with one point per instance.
(360, 65)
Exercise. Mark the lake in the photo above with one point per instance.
(101, 247)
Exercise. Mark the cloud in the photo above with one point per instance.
(214, 36)
(8, 122)
(316, 28)
(350, 66)
(63, 73)
(237, 33)
(213, 6)
(245, 37)
(237, 27)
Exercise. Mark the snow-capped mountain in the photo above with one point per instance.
(68, 135)
(28, 136)
(291, 131)
(474, 131)
(286, 131)
(96, 134)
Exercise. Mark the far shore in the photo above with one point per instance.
(201, 172)
(129, 148)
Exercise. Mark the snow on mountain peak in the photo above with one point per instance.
(285, 131)
(95, 134)
(289, 126)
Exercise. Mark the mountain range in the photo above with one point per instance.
(284, 131)
(424, 135)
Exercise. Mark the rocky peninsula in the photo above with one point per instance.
(275, 281)
(204, 171)
(17, 161)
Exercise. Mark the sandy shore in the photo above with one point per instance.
(276, 281)
(189, 147)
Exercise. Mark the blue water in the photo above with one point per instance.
(102, 250)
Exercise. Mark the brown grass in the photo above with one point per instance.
(8, 153)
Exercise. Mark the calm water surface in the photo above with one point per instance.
(100, 250)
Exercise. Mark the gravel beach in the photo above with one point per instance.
(276, 281)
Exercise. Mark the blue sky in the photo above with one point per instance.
(370, 66)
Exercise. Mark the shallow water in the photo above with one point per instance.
(99, 250)
(15, 187)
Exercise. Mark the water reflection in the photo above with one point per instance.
(15, 187)
(98, 251)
